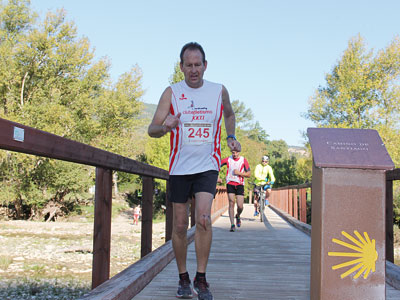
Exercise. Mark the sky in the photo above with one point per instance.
(270, 55)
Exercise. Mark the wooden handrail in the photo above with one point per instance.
(41, 143)
(294, 187)
(393, 174)
(20, 138)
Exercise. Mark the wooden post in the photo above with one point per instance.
(290, 202)
(389, 221)
(303, 205)
(147, 216)
(102, 227)
(168, 216)
(295, 204)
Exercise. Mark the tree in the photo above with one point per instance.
(362, 91)
(244, 116)
(49, 80)
(177, 75)
(257, 133)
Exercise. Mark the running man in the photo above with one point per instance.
(264, 176)
(237, 169)
(192, 110)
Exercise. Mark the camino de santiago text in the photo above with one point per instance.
(348, 146)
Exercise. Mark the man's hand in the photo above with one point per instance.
(234, 145)
(171, 122)
(236, 172)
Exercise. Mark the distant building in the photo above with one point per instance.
(297, 150)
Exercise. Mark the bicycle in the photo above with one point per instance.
(261, 199)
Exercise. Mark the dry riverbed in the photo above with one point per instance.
(54, 260)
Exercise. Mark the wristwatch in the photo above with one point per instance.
(231, 136)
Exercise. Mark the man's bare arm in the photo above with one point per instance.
(230, 121)
(163, 122)
(243, 174)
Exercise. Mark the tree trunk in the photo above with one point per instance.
(22, 89)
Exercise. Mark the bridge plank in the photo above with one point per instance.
(258, 261)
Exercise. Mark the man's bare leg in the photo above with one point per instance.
(179, 234)
(239, 204)
(203, 235)
(231, 198)
(256, 203)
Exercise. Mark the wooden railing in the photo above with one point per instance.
(19, 138)
(128, 283)
(292, 200)
(390, 177)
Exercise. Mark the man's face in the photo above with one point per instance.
(193, 68)
(265, 162)
(235, 154)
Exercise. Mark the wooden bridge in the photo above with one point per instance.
(259, 261)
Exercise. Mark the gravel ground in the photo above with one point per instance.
(54, 260)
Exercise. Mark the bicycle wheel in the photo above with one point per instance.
(262, 203)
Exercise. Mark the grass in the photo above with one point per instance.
(159, 217)
(37, 270)
(396, 243)
(87, 211)
(41, 289)
(5, 261)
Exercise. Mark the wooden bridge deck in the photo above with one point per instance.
(258, 261)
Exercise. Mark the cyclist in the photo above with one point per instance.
(237, 169)
(264, 176)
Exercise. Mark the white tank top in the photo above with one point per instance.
(235, 165)
(196, 141)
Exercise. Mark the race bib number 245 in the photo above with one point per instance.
(197, 133)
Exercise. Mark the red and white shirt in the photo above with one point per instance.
(195, 144)
(241, 164)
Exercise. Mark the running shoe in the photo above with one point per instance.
(184, 289)
(201, 289)
(238, 221)
(232, 228)
(256, 213)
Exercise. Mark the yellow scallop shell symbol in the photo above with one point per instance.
(365, 250)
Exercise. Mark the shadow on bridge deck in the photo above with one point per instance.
(258, 261)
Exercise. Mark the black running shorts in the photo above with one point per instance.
(182, 187)
(235, 189)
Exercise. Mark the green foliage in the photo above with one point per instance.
(244, 116)
(362, 91)
(157, 152)
(304, 169)
(396, 203)
(5, 261)
(50, 81)
(257, 133)
(177, 75)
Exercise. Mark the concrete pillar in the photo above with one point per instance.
(348, 214)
